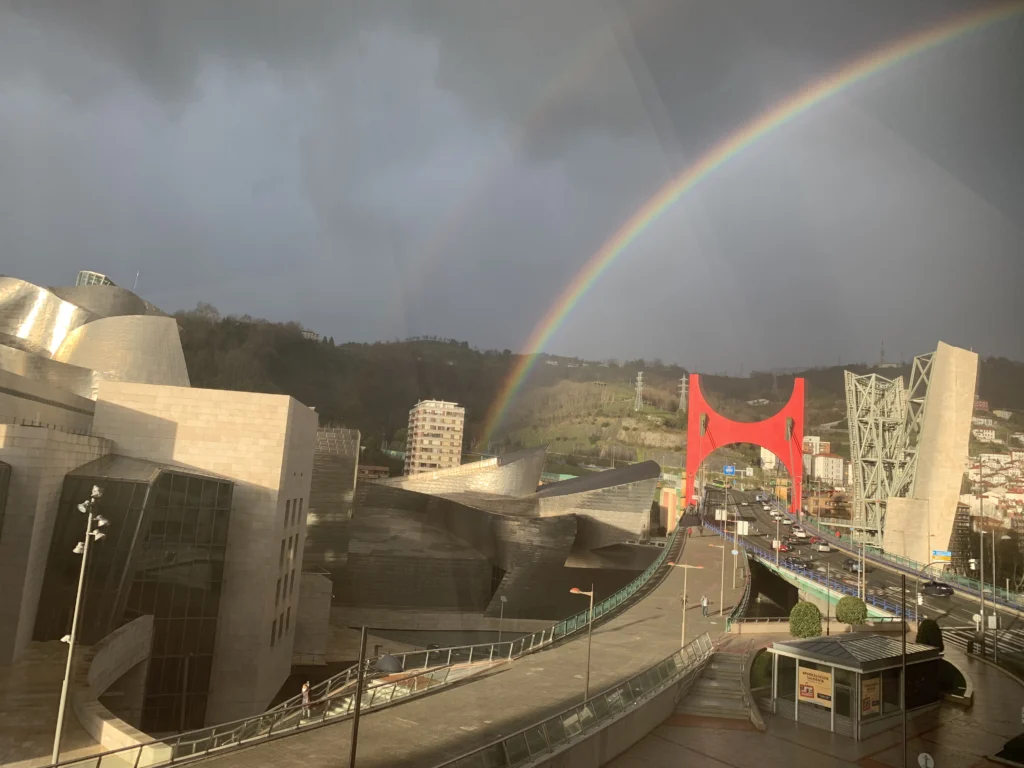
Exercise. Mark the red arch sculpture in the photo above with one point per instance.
(782, 434)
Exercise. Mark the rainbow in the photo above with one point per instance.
(722, 152)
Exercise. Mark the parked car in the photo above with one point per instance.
(936, 589)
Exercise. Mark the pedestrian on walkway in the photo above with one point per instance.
(704, 605)
(305, 699)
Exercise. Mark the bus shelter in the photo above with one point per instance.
(851, 684)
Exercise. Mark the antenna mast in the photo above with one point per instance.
(638, 404)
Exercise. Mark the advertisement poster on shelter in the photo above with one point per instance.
(870, 696)
(815, 687)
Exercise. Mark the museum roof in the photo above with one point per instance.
(863, 651)
(633, 473)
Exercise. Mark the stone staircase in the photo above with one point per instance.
(718, 692)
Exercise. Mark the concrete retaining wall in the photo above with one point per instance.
(605, 745)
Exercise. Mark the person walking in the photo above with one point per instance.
(704, 606)
(305, 699)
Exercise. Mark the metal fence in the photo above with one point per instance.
(836, 586)
(509, 649)
(335, 698)
(999, 595)
(551, 736)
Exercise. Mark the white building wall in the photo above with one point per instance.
(264, 443)
(39, 459)
(769, 460)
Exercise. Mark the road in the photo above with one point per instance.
(954, 611)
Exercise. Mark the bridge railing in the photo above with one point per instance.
(509, 649)
(883, 604)
(999, 595)
(551, 736)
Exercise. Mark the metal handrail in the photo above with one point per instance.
(508, 650)
(836, 586)
(192, 744)
(334, 698)
(999, 595)
(741, 606)
(555, 734)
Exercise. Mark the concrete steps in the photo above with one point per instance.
(718, 692)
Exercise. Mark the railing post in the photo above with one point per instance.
(449, 658)
(471, 654)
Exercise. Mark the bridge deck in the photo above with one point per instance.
(428, 731)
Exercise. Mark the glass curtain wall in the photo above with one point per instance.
(163, 556)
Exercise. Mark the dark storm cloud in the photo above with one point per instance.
(382, 168)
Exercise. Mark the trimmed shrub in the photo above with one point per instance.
(805, 620)
(851, 610)
(930, 633)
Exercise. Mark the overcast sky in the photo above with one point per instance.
(382, 169)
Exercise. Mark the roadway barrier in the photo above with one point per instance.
(423, 672)
(836, 586)
(1012, 600)
(542, 742)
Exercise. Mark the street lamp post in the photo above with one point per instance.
(721, 594)
(501, 616)
(82, 548)
(590, 635)
(685, 568)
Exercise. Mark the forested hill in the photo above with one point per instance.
(371, 387)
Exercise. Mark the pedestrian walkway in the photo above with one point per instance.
(430, 730)
(954, 737)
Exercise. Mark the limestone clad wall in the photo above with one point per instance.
(264, 443)
(39, 458)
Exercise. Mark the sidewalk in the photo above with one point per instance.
(954, 737)
(445, 725)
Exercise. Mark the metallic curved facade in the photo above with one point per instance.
(137, 348)
(72, 337)
(515, 474)
(106, 300)
(36, 317)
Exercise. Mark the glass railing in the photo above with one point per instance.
(881, 603)
(1001, 596)
(334, 698)
(557, 733)
(377, 694)
(509, 649)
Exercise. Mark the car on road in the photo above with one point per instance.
(936, 589)
(784, 547)
(800, 533)
(787, 521)
(823, 546)
(851, 565)
(766, 508)
(799, 562)
(744, 503)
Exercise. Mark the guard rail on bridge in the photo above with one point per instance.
(836, 586)
(423, 671)
(551, 736)
(998, 595)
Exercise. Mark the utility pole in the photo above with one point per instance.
(638, 403)
(684, 391)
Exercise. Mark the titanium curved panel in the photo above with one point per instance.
(81, 381)
(515, 474)
(145, 350)
(38, 318)
(106, 300)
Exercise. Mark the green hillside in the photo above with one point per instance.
(582, 409)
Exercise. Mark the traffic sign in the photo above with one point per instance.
(729, 469)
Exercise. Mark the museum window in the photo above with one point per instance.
(273, 633)
(287, 513)
(288, 619)
(284, 543)
(277, 593)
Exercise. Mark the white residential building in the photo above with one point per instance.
(769, 461)
(828, 468)
(435, 436)
(986, 435)
(812, 444)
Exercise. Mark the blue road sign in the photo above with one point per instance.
(729, 470)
